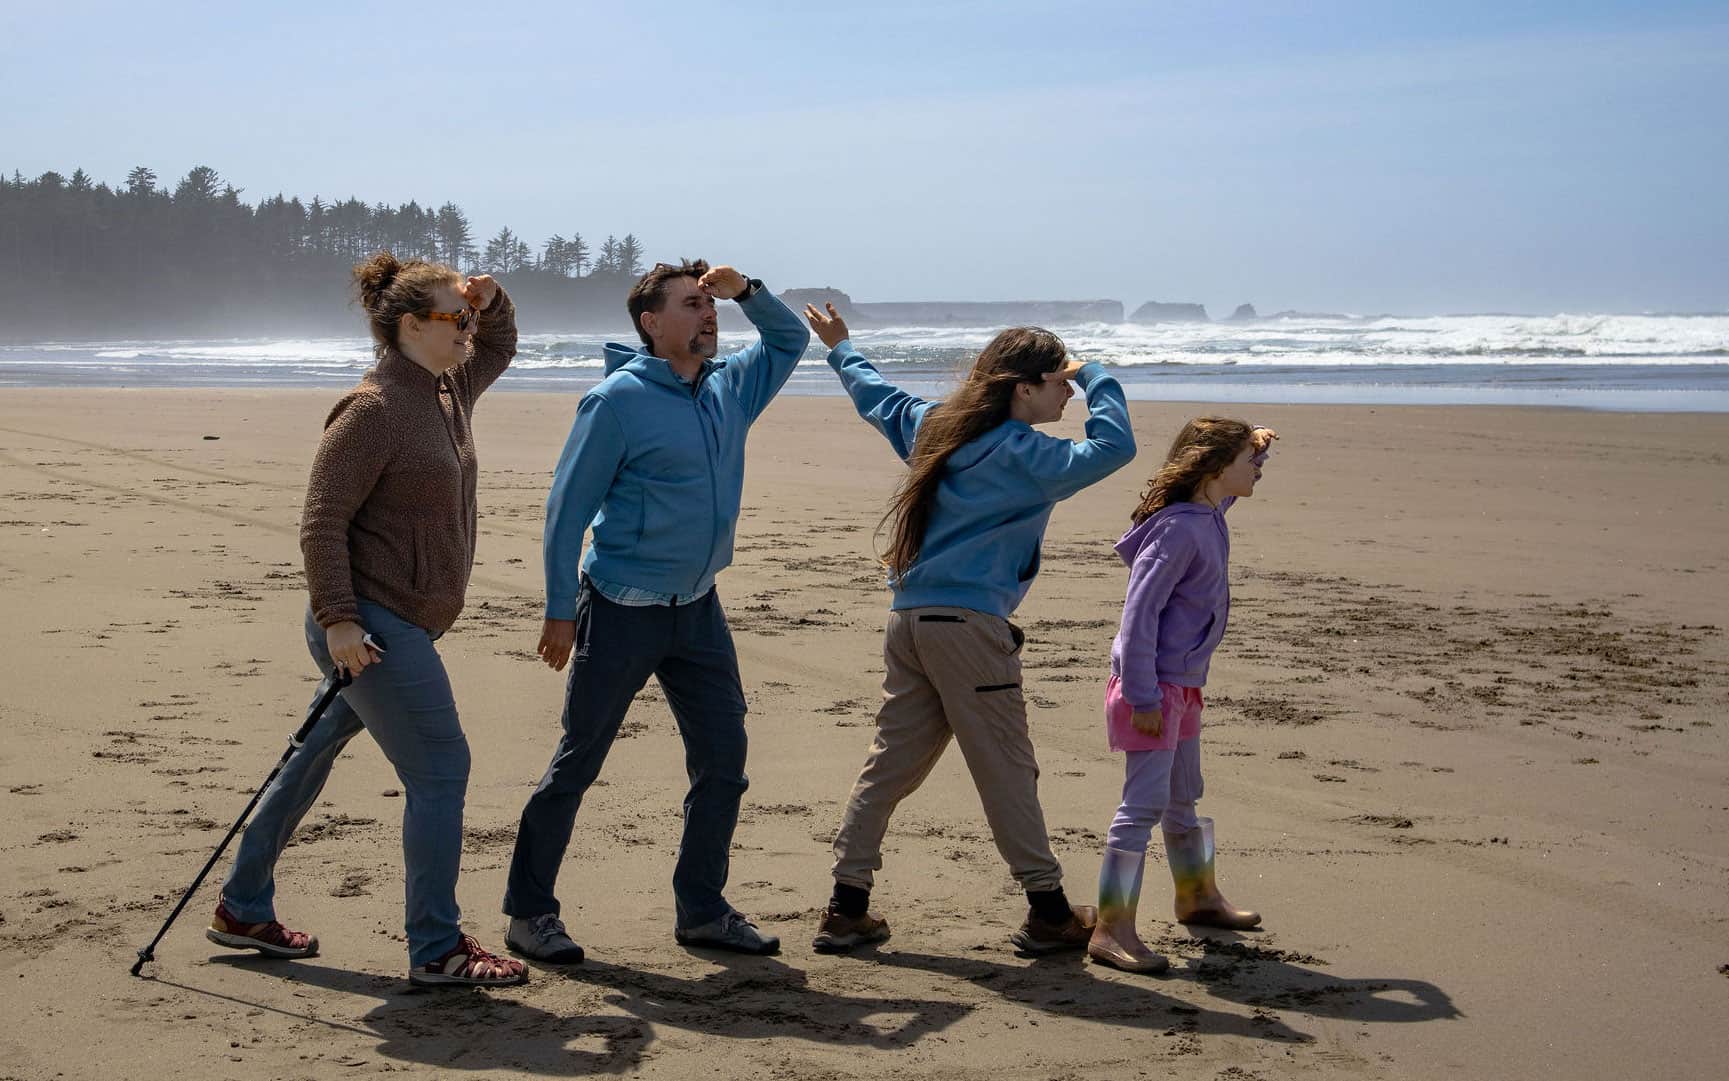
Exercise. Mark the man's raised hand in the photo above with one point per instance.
(723, 283)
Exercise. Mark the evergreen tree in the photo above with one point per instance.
(608, 261)
(575, 255)
(455, 243)
(500, 253)
(629, 256)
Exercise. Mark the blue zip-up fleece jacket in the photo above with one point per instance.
(656, 464)
(1178, 603)
(981, 549)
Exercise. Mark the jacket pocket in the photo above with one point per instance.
(422, 559)
(584, 620)
(1205, 646)
(1031, 570)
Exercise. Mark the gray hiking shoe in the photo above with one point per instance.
(543, 938)
(731, 932)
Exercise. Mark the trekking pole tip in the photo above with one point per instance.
(144, 955)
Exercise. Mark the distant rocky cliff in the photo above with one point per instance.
(1154, 311)
(993, 313)
(964, 313)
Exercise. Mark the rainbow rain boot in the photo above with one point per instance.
(1115, 941)
(1198, 899)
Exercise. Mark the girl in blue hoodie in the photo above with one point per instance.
(965, 529)
(1179, 599)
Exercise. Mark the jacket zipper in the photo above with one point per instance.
(713, 478)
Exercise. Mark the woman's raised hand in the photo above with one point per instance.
(1262, 438)
(478, 292)
(831, 328)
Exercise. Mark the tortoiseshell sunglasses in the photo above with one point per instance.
(463, 319)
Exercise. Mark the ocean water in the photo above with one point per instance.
(1644, 362)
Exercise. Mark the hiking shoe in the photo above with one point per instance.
(1037, 936)
(840, 933)
(467, 965)
(269, 938)
(543, 938)
(731, 932)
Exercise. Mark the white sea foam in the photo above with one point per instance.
(1475, 339)
(1396, 357)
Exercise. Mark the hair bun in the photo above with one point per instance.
(374, 276)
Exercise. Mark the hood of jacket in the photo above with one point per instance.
(1130, 544)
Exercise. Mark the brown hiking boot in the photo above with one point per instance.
(1037, 936)
(840, 933)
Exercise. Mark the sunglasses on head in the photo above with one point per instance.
(463, 319)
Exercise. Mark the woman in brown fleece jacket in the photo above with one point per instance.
(388, 535)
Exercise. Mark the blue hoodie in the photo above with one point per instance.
(981, 548)
(656, 464)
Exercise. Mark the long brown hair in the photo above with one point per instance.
(390, 289)
(1205, 446)
(1015, 356)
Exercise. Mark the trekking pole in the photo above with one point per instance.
(327, 692)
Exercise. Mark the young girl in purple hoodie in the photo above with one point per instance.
(1179, 599)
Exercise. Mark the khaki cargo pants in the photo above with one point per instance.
(952, 672)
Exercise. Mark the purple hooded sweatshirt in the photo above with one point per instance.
(1178, 602)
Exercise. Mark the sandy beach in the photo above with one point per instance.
(1467, 750)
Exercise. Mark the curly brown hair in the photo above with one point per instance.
(1204, 447)
(389, 289)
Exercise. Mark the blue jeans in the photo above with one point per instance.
(689, 649)
(406, 703)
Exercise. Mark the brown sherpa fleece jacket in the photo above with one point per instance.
(390, 507)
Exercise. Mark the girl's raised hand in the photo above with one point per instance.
(830, 328)
(1067, 371)
(1148, 722)
(1262, 438)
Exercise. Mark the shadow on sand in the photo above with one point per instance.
(611, 1027)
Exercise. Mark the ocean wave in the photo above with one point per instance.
(1472, 346)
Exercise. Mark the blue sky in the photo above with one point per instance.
(1330, 156)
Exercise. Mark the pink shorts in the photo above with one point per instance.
(1181, 707)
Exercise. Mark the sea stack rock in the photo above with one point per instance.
(1243, 314)
(1154, 311)
(796, 299)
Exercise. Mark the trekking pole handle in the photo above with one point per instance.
(374, 642)
(338, 678)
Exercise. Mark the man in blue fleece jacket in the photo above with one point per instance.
(655, 464)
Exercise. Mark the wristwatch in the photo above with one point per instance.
(751, 285)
